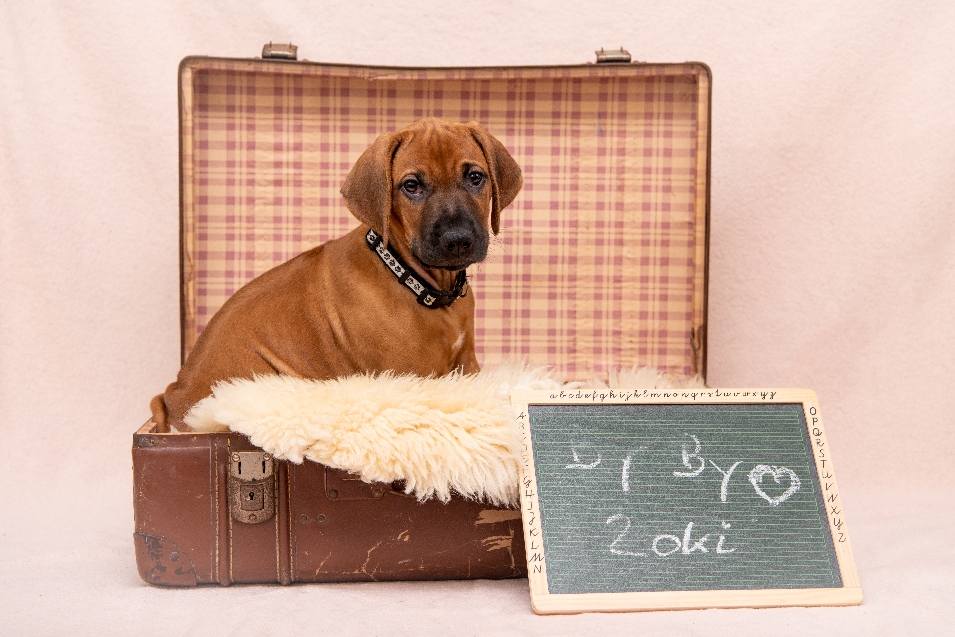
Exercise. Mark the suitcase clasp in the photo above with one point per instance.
(251, 486)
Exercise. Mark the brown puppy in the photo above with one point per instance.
(431, 193)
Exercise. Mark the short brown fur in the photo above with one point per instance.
(336, 310)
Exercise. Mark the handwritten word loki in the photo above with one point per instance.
(665, 545)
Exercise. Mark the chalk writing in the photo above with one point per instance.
(578, 464)
(686, 460)
(625, 474)
(756, 478)
(719, 545)
(689, 460)
(613, 545)
(726, 478)
(672, 543)
(666, 544)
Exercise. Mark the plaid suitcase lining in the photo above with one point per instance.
(597, 264)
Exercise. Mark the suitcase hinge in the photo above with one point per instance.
(252, 486)
(618, 56)
(272, 51)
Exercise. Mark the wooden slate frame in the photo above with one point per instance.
(545, 602)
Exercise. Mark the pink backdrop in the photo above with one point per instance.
(832, 267)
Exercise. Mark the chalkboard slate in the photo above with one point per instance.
(677, 494)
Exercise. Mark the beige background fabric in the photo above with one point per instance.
(832, 267)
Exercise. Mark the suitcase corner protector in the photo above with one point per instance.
(162, 563)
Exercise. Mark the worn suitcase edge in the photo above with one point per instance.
(162, 562)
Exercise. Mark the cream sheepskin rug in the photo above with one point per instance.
(444, 435)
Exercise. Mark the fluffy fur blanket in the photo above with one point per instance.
(441, 435)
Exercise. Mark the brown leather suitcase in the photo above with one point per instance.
(200, 521)
(602, 265)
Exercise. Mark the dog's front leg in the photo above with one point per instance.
(466, 360)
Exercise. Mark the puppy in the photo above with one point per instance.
(390, 295)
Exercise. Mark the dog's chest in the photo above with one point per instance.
(359, 309)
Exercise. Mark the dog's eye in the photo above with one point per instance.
(411, 186)
(476, 178)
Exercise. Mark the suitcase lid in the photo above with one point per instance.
(601, 262)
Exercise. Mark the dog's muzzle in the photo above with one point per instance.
(453, 241)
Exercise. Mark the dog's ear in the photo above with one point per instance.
(367, 189)
(506, 178)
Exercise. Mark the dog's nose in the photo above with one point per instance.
(457, 242)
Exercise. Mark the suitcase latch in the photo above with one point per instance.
(618, 56)
(252, 486)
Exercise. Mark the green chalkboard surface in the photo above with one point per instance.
(644, 496)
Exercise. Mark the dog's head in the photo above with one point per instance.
(437, 187)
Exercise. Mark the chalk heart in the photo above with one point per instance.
(761, 470)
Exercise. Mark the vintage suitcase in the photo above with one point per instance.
(601, 264)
